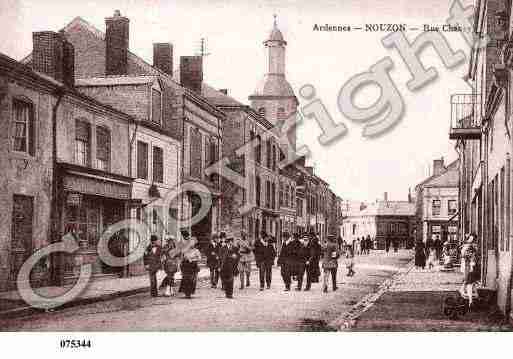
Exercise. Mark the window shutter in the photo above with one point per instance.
(31, 131)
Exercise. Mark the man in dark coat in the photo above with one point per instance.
(152, 262)
(387, 243)
(229, 263)
(368, 244)
(302, 256)
(287, 259)
(212, 252)
(264, 257)
(312, 264)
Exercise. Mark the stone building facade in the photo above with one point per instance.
(481, 127)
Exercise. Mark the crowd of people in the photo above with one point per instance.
(302, 260)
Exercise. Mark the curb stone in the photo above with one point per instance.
(348, 320)
(28, 310)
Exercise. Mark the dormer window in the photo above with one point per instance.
(156, 107)
(261, 111)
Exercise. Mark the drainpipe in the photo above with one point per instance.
(56, 262)
(126, 270)
(182, 157)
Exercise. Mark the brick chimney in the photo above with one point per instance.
(163, 57)
(385, 196)
(438, 166)
(116, 37)
(54, 56)
(191, 72)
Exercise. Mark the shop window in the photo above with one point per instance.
(156, 107)
(24, 129)
(82, 142)
(436, 207)
(103, 148)
(142, 160)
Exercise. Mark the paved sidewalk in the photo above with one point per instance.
(413, 302)
(11, 304)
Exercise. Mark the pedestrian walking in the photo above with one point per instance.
(358, 246)
(350, 262)
(369, 243)
(431, 261)
(437, 244)
(189, 267)
(312, 264)
(264, 253)
(387, 243)
(213, 261)
(302, 256)
(420, 255)
(286, 259)
(152, 262)
(468, 267)
(229, 264)
(331, 254)
(395, 244)
(170, 264)
(246, 257)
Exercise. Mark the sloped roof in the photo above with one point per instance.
(217, 97)
(387, 208)
(274, 85)
(449, 177)
(115, 80)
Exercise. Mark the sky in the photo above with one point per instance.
(357, 168)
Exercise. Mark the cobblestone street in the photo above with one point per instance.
(209, 310)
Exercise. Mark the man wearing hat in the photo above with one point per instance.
(246, 257)
(286, 260)
(151, 259)
(213, 260)
(264, 258)
(229, 262)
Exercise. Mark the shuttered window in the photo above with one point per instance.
(196, 154)
(158, 165)
(24, 130)
(156, 107)
(103, 148)
(142, 160)
(82, 142)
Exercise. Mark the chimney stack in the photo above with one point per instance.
(385, 196)
(116, 51)
(54, 56)
(191, 72)
(438, 166)
(163, 57)
(410, 200)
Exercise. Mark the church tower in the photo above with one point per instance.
(273, 97)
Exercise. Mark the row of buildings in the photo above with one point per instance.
(92, 134)
(481, 130)
(430, 213)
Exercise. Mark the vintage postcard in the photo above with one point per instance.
(269, 166)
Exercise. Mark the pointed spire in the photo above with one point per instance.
(275, 24)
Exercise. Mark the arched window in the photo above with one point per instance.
(82, 142)
(24, 129)
(103, 148)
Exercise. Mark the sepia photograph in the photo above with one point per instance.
(271, 166)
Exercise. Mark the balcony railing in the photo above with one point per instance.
(465, 117)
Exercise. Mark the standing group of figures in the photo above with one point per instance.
(299, 258)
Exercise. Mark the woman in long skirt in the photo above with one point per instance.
(420, 255)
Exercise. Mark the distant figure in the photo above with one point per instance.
(330, 257)
(213, 261)
(368, 241)
(395, 243)
(246, 257)
(286, 259)
(152, 263)
(420, 255)
(468, 268)
(229, 265)
(312, 264)
(387, 243)
(264, 257)
(350, 262)
(170, 262)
